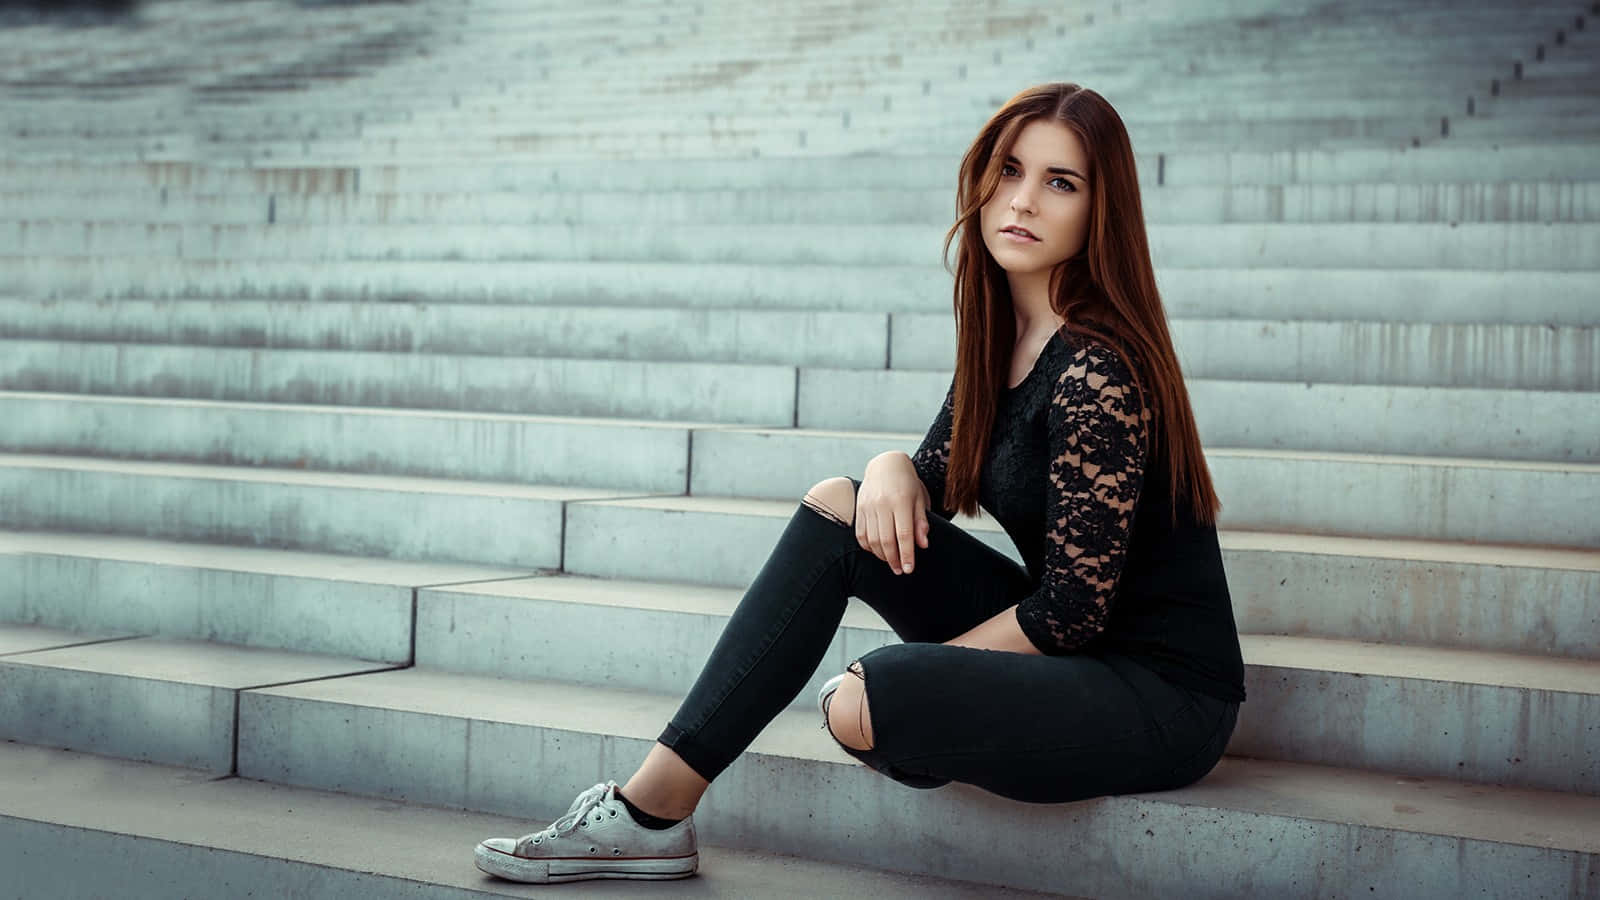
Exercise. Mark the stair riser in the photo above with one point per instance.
(643, 458)
(1195, 205)
(1553, 298)
(1477, 247)
(1410, 726)
(397, 524)
(168, 722)
(704, 392)
(759, 337)
(826, 139)
(1527, 357)
(1358, 497)
(1516, 163)
(1507, 425)
(311, 615)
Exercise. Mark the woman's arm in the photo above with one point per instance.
(999, 633)
(1098, 434)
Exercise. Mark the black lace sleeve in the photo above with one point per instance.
(1098, 432)
(933, 456)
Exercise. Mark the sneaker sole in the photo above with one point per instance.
(548, 871)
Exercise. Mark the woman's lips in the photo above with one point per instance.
(1019, 238)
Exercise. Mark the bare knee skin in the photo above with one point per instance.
(834, 498)
(848, 717)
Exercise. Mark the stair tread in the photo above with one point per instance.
(183, 661)
(428, 847)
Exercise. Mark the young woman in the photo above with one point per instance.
(1109, 665)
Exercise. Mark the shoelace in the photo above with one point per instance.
(580, 809)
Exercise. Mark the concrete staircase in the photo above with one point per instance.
(398, 399)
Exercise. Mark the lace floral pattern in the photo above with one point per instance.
(933, 457)
(1097, 432)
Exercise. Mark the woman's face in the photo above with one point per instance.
(1042, 189)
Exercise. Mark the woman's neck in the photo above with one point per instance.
(1030, 302)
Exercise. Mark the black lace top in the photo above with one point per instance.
(1068, 474)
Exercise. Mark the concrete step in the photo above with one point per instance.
(727, 393)
(764, 60)
(1456, 355)
(60, 805)
(634, 455)
(1509, 163)
(1170, 205)
(312, 843)
(761, 337)
(103, 585)
(1426, 133)
(507, 118)
(1322, 418)
(831, 138)
(491, 621)
(809, 89)
(1337, 295)
(511, 116)
(1460, 246)
(1493, 718)
(651, 454)
(151, 699)
(1348, 494)
(1334, 494)
(374, 515)
(979, 65)
(1432, 498)
(1333, 136)
(1306, 691)
(1508, 423)
(387, 751)
(1525, 357)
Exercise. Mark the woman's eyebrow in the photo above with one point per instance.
(1053, 170)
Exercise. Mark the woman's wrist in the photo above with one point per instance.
(890, 456)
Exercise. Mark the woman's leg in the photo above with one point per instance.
(778, 634)
(1043, 729)
(1030, 727)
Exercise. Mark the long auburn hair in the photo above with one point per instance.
(1108, 291)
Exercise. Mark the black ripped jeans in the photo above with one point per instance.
(1042, 729)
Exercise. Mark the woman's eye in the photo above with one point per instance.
(1065, 184)
(1007, 170)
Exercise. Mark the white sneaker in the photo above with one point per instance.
(828, 687)
(597, 838)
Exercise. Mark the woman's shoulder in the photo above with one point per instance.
(1091, 361)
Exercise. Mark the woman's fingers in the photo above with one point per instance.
(894, 534)
(887, 541)
(905, 519)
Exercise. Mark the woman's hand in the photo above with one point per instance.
(892, 511)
